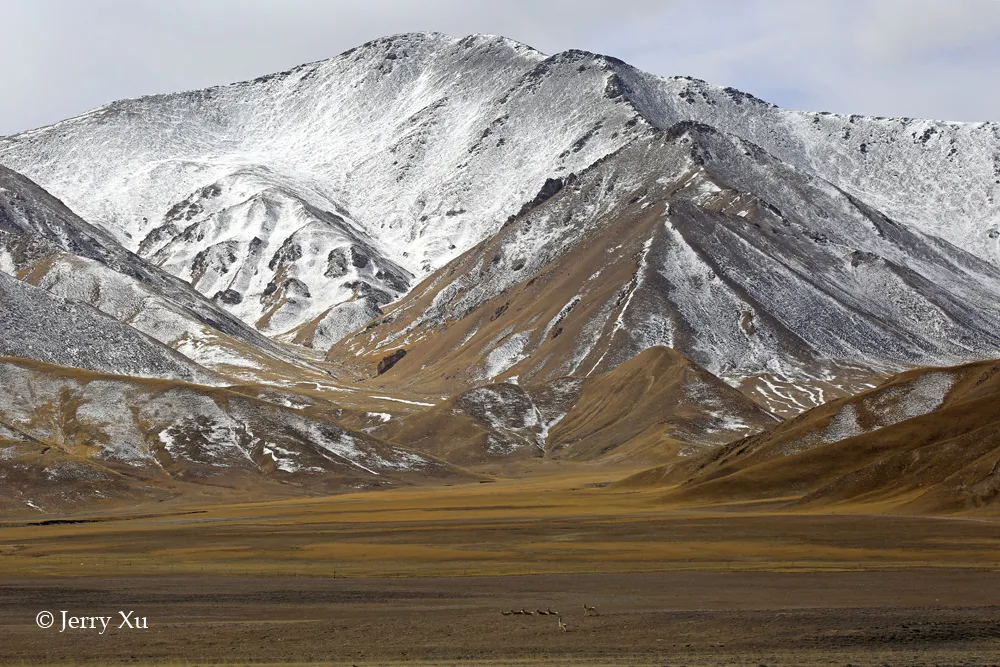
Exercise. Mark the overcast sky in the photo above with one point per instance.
(920, 58)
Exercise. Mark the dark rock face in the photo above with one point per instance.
(157, 237)
(288, 253)
(549, 189)
(358, 258)
(229, 296)
(336, 263)
(295, 287)
(390, 360)
(184, 210)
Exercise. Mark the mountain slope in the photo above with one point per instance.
(942, 178)
(37, 325)
(305, 200)
(926, 440)
(143, 437)
(563, 212)
(772, 279)
(655, 405)
(382, 152)
(46, 245)
(648, 409)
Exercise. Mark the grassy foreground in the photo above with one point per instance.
(563, 521)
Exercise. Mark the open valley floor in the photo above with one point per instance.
(426, 574)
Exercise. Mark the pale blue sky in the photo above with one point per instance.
(921, 58)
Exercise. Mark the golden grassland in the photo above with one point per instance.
(555, 518)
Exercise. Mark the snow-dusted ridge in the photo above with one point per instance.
(942, 177)
(770, 277)
(45, 244)
(305, 202)
(396, 138)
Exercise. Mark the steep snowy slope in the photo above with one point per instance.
(274, 195)
(942, 178)
(305, 200)
(46, 245)
(37, 325)
(160, 432)
(693, 239)
(324, 269)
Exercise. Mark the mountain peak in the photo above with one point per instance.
(438, 41)
(398, 156)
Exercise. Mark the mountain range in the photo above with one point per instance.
(431, 252)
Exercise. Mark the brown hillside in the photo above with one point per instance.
(66, 433)
(927, 440)
(655, 404)
(651, 408)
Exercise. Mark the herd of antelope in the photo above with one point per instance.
(587, 611)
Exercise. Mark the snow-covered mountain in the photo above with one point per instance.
(562, 212)
(294, 196)
(771, 278)
(302, 201)
(46, 245)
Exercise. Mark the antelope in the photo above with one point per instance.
(588, 610)
(541, 613)
(562, 626)
(507, 613)
(551, 613)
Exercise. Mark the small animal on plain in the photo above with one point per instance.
(551, 613)
(562, 626)
(541, 613)
(588, 610)
(507, 613)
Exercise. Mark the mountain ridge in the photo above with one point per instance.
(924, 440)
(843, 283)
(45, 244)
(539, 257)
(469, 86)
(370, 207)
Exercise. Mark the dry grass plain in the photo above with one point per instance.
(422, 574)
